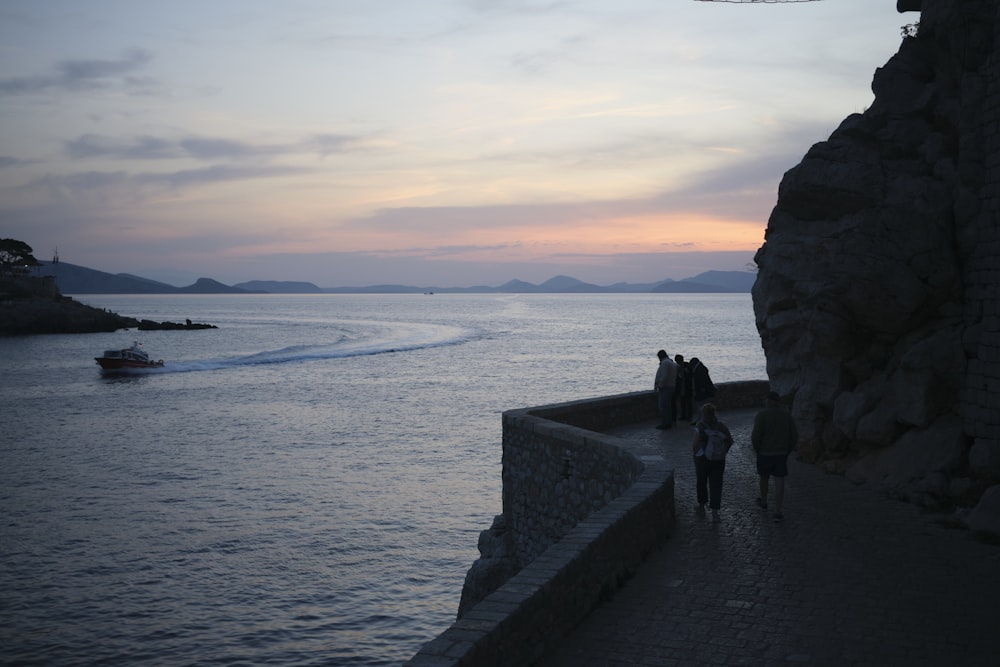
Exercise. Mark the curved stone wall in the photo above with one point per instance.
(585, 508)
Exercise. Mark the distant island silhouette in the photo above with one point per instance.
(73, 279)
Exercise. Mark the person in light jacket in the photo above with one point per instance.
(666, 379)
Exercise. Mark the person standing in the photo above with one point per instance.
(682, 391)
(702, 387)
(664, 383)
(712, 441)
(774, 436)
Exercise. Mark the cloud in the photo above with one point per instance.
(103, 188)
(7, 161)
(218, 174)
(86, 75)
(517, 7)
(737, 190)
(155, 148)
(329, 144)
(97, 146)
(89, 70)
(147, 147)
(543, 61)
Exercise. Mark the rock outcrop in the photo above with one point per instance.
(496, 564)
(34, 305)
(878, 282)
(21, 317)
(150, 325)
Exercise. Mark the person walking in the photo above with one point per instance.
(774, 436)
(664, 383)
(712, 442)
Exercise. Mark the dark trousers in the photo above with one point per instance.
(683, 400)
(665, 400)
(708, 481)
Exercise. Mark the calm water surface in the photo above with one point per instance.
(304, 485)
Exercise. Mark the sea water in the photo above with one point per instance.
(305, 484)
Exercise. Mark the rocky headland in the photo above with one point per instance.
(34, 305)
(878, 289)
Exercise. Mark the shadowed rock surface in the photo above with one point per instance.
(876, 296)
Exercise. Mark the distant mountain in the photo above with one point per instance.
(638, 288)
(517, 286)
(72, 279)
(378, 289)
(733, 281)
(153, 284)
(688, 287)
(565, 284)
(209, 286)
(279, 287)
(708, 282)
(568, 285)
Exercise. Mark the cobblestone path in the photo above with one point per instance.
(849, 578)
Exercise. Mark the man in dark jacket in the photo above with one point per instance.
(702, 387)
(774, 437)
(682, 390)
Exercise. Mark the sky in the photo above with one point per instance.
(433, 143)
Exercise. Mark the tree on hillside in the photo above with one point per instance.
(15, 257)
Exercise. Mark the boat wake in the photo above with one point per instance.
(373, 338)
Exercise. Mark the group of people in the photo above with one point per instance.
(682, 387)
(773, 437)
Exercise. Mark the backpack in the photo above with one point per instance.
(715, 449)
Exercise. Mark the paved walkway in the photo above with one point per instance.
(849, 578)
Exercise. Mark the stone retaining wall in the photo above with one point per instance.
(583, 509)
(550, 481)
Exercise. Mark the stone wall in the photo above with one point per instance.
(558, 467)
(877, 291)
(582, 509)
(556, 473)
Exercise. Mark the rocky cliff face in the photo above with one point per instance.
(878, 282)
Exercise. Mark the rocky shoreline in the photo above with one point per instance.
(149, 325)
(31, 308)
(30, 316)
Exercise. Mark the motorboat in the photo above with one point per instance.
(130, 357)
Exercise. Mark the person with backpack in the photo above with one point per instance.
(712, 441)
